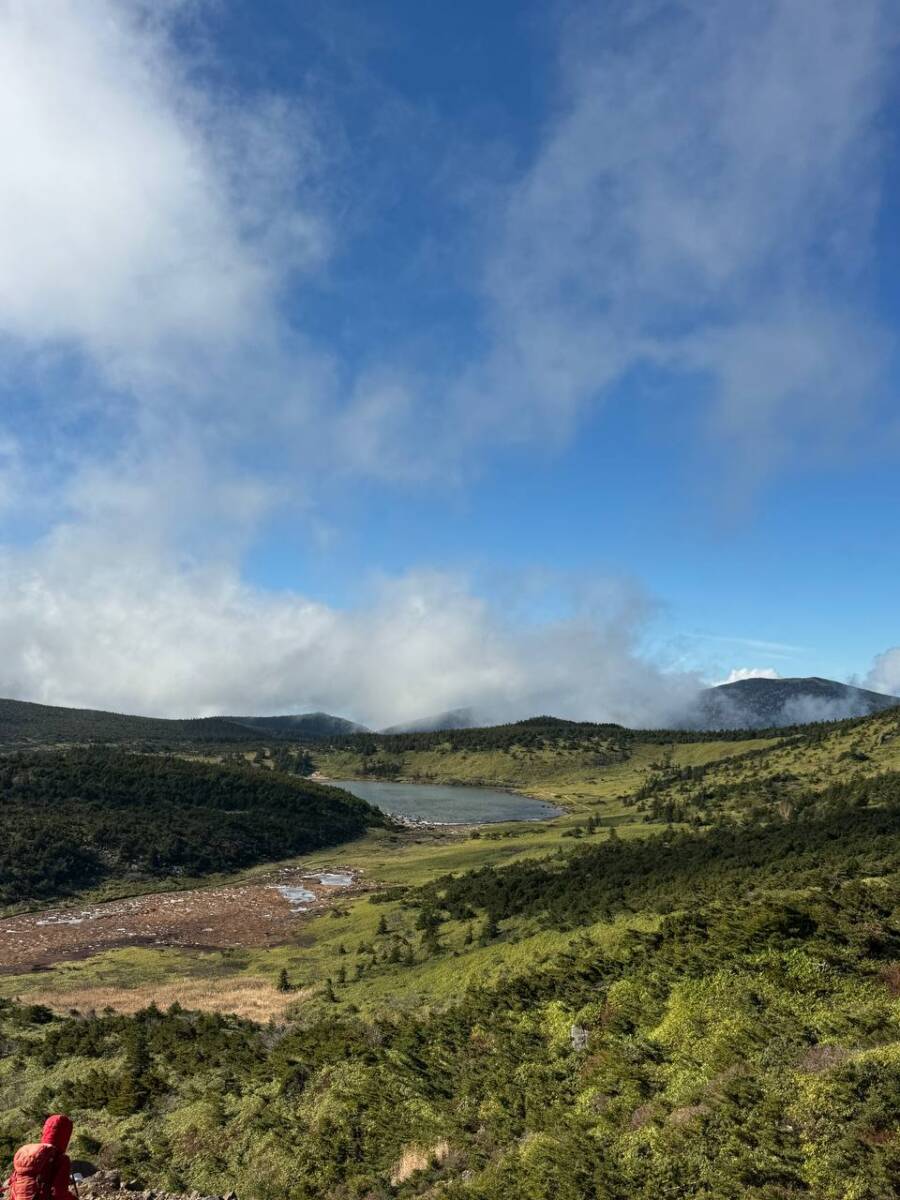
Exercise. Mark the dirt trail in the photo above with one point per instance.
(266, 911)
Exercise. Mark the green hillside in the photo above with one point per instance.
(301, 726)
(23, 725)
(713, 1015)
(74, 819)
(687, 985)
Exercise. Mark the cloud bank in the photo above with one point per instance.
(135, 632)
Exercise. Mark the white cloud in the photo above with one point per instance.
(149, 226)
(702, 202)
(132, 629)
(136, 216)
(884, 675)
(738, 673)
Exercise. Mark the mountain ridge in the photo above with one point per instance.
(25, 723)
(311, 724)
(762, 703)
(454, 718)
(744, 704)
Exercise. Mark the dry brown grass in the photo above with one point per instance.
(255, 999)
(891, 976)
(687, 1115)
(418, 1158)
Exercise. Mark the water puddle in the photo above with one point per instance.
(297, 897)
(300, 897)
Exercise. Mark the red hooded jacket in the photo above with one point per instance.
(56, 1132)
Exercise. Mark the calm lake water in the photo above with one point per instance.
(448, 805)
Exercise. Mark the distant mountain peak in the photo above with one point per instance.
(455, 718)
(310, 724)
(760, 703)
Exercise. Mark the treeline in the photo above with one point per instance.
(535, 733)
(72, 819)
(553, 733)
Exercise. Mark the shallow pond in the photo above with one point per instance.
(444, 805)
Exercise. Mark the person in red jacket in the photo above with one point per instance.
(57, 1132)
(41, 1173)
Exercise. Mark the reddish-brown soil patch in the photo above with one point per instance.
(213, 918)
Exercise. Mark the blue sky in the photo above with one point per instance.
(393, 357)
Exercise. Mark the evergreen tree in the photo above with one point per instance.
(133, 1088)
(490, 929)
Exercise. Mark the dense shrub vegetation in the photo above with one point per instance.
(854, 824)
(71, 819)
(24, 724)
(739, 1040)
(711, 1011)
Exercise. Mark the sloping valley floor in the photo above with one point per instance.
(713, 1014)
(223, 946)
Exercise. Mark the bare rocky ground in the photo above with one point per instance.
(106, 1185)
(261, 912)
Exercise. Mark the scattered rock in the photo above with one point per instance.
(641, 1116)
(580, 1037)
(688, 1114)
(108, 1185)
(822, 1058)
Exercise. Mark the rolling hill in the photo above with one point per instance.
(73, 819)
(23, 724)
(456, 718)
(301, 725)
